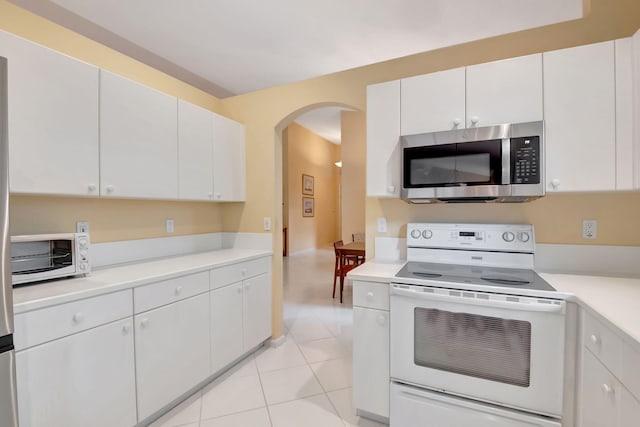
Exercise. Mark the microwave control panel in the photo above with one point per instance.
(525, 160)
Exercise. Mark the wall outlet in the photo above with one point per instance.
(169, 226)
(82, 227)
(267, 223)
(589, 228)
(382, 225)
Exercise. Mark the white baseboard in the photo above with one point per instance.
(588, 259)
(277, 342)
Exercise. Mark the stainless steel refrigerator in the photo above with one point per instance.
(8, 403)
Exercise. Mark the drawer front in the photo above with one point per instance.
(630, 372)
(168, 291)
(599, 402)
(603, 343)
(371, 295)
(236, 272)
(39, 326)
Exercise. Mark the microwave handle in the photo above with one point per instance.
(413, 292)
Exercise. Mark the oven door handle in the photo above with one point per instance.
(553, 306)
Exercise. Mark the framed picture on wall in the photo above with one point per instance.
(307, 185)
(308, 208)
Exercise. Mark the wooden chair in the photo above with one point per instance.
(350, 262)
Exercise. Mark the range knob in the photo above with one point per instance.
(524, 236)
(415, 234)
(427, 234)
(508, 236)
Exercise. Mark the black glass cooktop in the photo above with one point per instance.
(476, 275)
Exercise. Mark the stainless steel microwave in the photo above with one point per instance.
(48, 256)
(502, 163)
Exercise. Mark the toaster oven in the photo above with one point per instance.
(48, 256)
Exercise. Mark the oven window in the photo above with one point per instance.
(38, 257)
(450, 170)
(485, 347)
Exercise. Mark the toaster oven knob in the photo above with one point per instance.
(427, 234)
(508, 236)
(84, 266)
(82, 242)
(415, 234)
(523, 237)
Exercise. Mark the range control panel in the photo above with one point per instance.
(485, 237)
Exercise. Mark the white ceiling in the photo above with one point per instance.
(239, 46)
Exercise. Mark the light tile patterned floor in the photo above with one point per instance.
(306, 381)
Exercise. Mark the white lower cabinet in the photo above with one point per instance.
(226, 325)
(172, 352)
(256, 310)
(600, 391)
(86, 379)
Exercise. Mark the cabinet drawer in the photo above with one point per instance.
(599, 402)
(371, 295)
(236, 272)
(39, 326)
(603, 343)
(162, 293)
(630, 373)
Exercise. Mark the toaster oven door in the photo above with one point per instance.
(41, 259)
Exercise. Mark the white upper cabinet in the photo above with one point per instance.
(508, 91)
(624, 115)
(229, 162)
(433, 102)
(138, 140)
(383, 140)
(580, 124)
(635, 69)
(53, 120)
(195, 152)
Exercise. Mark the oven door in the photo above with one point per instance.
(498, 348)
(42, 257)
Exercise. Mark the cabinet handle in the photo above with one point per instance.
(456, 122)
(381, 319)
(126, 329)
(144, 323)
(555, 183)
(595, 339)
(475, 120)
(110, 188)
(608, 389)
(178, 290)
(391, 189)
(91, 188)
(78, 317)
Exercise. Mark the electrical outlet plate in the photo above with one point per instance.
(382, 225)
(82, 227)
(589, 228)
(267, 223)
(169, 226)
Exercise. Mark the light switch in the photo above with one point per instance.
(267, 223)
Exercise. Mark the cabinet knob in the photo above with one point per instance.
(475, 120)
(218, 196)
(370, 295)
(178, 290)
(595, 339)
(555, 183)
(391, 189)
(78, 317)
(381, 319)
(608, 389)
(456, 122)
(244, 272)
(126, 329)
(110, 188)
(239, 290)
(210, 195)
(144, 323)
(91, 188)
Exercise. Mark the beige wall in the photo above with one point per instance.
(354, 187)
(266, 113)
(309, 154)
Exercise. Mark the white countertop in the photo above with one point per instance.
(614, 299)
(106, 280)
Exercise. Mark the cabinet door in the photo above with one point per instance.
(579, 108)
(599, 395)
(226, 325)
(138, 140)
(508, 91)
(256, 310)
(195, 152)
(383, 140)
(53, 120)
(624, 115)
(371, 360)
(629, 409)
(433, 102)
(635, 78)
(172, 352)
(229, 170)
(86, 379)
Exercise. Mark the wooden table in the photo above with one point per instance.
(356, 249)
